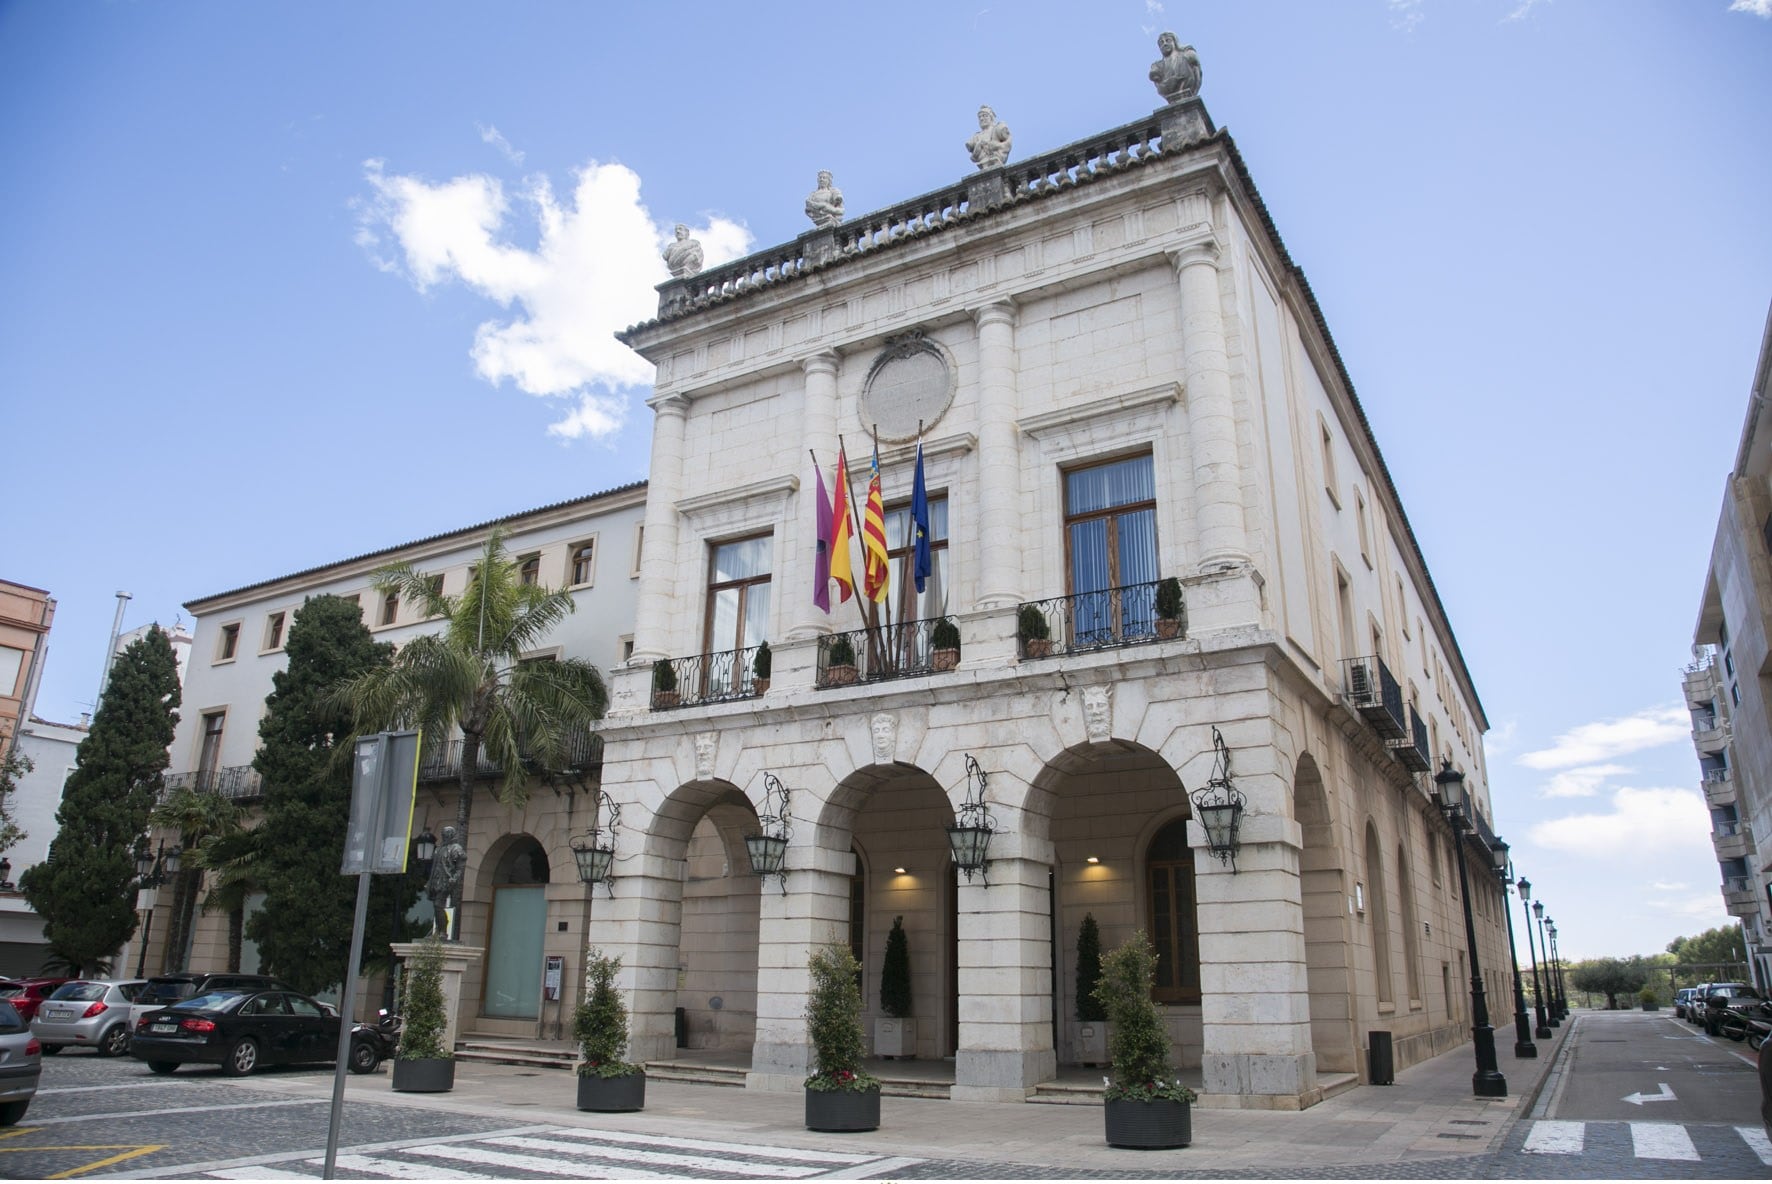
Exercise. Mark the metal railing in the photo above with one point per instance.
(901, 650)
(706, 678)
(1085, 621)
(1413, 750)
(1372, 690)
(1716, 776)
(237, 783)
(442, 762)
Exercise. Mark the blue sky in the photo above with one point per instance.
(282, 283)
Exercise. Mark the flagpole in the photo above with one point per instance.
(854, 529)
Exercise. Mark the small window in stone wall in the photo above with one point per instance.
(1174, 924)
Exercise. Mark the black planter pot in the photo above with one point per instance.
(843, 1109)
(424, 1077)
(1149, 1126)
(612, 1095)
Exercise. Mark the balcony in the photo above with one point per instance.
(1719, 788)
(1710, 736)
(442, 762)
(1701, 688)
(706, 678)
(1730, 841)
(237, 783)
(1740, 896)
(1372, 691)
(1111, 618)
(904, 650)
(1413, 751)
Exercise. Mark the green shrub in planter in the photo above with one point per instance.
(760, 665)
(1089, 1008)
(1139, 1046)
(833, 1022)
(1169, 598)
(945, 635)
(1030, 624)
(664, 675)
(895, 973)
(600, 1024)
(424, 1020)
(840, 653)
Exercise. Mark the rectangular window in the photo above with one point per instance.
(1329, 481)
(639, 548)
(627, 647)
(209, 755)
(1110, 536)
(529, 569)
(390, 608)
(582, 559)
(230, 642)
(274, 631)
(1365, 528)
(901, 561)
(738, 593)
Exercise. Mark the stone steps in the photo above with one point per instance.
(1060, 1093)
(526, 1055)
(695, 1074)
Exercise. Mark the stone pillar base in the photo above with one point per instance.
(985, 1075)
(1183, 123)
(1256, 1081)
(775, 1083)
(456, 959)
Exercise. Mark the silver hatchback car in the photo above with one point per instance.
(21, 1065)
(87, 1013)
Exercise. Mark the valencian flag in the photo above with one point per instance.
(873, 537)
(821, 562)
(920, 523)
(839, 536)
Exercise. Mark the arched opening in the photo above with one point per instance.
(512, 987)
(1324, 897)
(1174, 919)
(717, 949)
(1379, 917)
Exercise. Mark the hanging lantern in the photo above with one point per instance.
(970, 837)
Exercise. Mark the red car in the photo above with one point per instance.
(27, 994)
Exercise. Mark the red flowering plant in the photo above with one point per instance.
(600, 1024)
(833, 1022)
(1139, 1045)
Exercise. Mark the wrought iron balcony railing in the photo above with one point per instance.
(1371, 690)
(892, 651)
(706, 678)
(442, 762)
(1101, 620)
(1413, 749)
(237, 783)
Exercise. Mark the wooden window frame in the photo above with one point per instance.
(1109, 513)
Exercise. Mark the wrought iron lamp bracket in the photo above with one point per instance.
(1219, 805)
(970, 836)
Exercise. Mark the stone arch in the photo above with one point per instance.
(1323, 892)
(514, 875)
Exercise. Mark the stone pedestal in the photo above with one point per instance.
(1005, 985)
(814, 912)
(456, 960)
(1183, 123)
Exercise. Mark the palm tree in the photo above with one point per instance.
(197, 816)
(473, 677)
(233, 861)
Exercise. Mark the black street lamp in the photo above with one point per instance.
(1550, 966)
(970, 837)
(153, 870)
(594, 851)
(1487, 1081)
(1523, 1046)
(1557, 961)
(768, 848)
(424, 849)
(1543, 1032)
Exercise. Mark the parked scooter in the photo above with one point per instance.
(371, 1044)
(1751, 1023)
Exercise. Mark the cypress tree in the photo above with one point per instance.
(1089, 1008)
(895, 973)
(85, 890)
(304, 928)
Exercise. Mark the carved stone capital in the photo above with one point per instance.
(998, 312)
(671, 405)
(1206, 251)
(823, 362)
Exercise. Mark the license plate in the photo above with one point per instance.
(166, 1029)
(61, 1015)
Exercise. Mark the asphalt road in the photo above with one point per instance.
(1647, 1066)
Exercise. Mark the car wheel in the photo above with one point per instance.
(11, 1112)
(363, 1057)
(242, 1059)
(115, 1041)
(163, 1067)
(50, 1050)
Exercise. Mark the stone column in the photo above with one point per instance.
(1255, 1005)
(819, 420)
(456, 959)
(1212, 414)
(1005, 985)
(642, 924)
(999, 460)
(814, 912)
(658, 556)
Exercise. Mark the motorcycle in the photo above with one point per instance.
(1751, 1024)
(371, 1044)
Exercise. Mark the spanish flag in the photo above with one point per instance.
(841, 571)
(873, 538)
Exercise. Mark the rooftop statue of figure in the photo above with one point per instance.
(1177, 75)
(683, 257)
(989, 145)
(824, 205)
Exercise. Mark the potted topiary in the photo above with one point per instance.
(1169, 608)
(664, 684)
(421, 1064)
(944, 645)
(840, 1094)
(1146, 1106)
(1035, 634)
(895, 1032)
(839, 661)
(606, 1083)
(1089, 1031)
(760, 666)
(1649, 999)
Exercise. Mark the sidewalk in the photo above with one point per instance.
(1429, 1114)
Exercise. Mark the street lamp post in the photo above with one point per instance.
(1557, 961)
(1487, 1081)
(1543, 1032)
(1523, 1046)
(1550, 973)
(151, 872)
(424, 849)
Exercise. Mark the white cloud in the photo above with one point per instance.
(1583, 782)
(490, 134)
(590, 273)
(1405, 14)
(1642, 822)
(1524, 7)
(1598, 742)
(1759, 8)
(1500, 738)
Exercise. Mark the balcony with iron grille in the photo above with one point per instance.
(442, 762)
(1699, 680)
(1709, 734)
(237, 783)
(1110, 618)
(1719, 788)
(1372, 691)
(706, 678)
(1730, 840)
(902, 650)
(1741, 898)
(1413, 750)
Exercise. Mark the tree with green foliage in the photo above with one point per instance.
(1721, 948)
(85, 890)
(1139, 1046)
(13, 765)
(473, 676)
(304, 741)
(895, 973)
(1089, 1008)
(424, 1015)
(232, 861)
(197, 815)
(833, 1022)
(600, 1024)
(1610, 977)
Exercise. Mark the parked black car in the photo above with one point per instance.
(241, 1030)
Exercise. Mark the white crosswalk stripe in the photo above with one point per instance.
(1660, 1141)
(574, 1152)
(1555, 1138)
(1756, 1138)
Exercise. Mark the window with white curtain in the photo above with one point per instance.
(1110, 525)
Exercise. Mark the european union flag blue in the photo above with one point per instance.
(920, 522)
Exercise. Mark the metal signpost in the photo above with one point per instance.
(384, 780)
